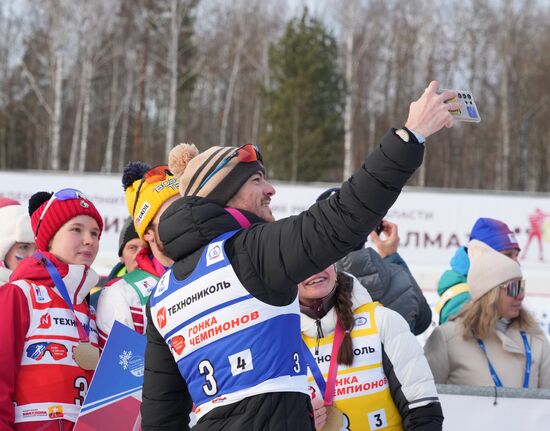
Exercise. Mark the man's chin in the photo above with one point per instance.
(268, 215)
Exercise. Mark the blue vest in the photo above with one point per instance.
(228, 344)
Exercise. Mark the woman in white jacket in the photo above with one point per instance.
(366, 369)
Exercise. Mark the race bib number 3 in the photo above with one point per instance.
(377, 419)
(241, 362)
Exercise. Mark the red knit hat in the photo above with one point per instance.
(60, 210)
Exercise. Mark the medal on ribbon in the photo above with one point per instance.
(86, 355)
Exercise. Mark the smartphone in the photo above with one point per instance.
(468, 110)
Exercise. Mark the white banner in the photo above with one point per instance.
(479, 413)
(431, 223)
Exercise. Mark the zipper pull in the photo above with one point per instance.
(319, 336)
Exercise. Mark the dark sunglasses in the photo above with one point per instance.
(247, 153)
(327, 194)
(153, 175)
(61, 195)
(514, 287)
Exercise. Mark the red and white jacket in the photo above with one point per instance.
(40, 382)
(119, 300)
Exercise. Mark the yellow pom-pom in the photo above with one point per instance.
(179, 156)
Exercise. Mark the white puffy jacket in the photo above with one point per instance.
(410, 378)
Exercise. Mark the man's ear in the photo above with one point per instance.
(149, 235)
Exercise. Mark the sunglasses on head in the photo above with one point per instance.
(61, 195)
(514, 287)
(247, 153)
(153, 175)
(327, 194)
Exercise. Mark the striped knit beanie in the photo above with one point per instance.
(193, 168)
(58, 213)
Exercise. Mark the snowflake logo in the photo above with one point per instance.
(125, 358)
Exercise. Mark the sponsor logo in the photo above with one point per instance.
(210, 328)
(218, 400)
(177, 344)
(34, 413)
(360, 321)
(162, 284)
(55, 412)
(161, 317)
(41, 294)
(37, 351)
(171, 183)
(197, 296)
(142, 213)
(135, 364)
(45, 321)
(147, 284)
(63, 321)
(214, 253)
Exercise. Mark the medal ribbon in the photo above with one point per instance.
(326, 388)
(492, 370)
(83, 332)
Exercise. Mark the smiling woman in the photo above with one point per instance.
(50, 333)
(355, 345)
(494, 341)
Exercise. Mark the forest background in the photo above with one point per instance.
(87, 85)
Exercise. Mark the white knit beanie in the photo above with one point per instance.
(488, 269)
(15, 226)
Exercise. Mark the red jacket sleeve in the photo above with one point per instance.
(14, 324)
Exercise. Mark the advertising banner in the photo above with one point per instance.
(432, 223)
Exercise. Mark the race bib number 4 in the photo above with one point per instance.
(241, 362)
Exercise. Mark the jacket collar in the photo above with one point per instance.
(191, 222)
(359, 297)
(511, 339)
(144, 260)
(78, 279)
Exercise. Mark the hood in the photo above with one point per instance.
(359, 297)
(144, 260)
(79, 279)
(33, 270)
(460, 262)
(190, 223)
(449, 279)
(457, 274)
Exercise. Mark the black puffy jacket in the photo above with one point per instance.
(390, 283)
(270, 259)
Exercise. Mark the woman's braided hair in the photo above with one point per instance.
(344, 313)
